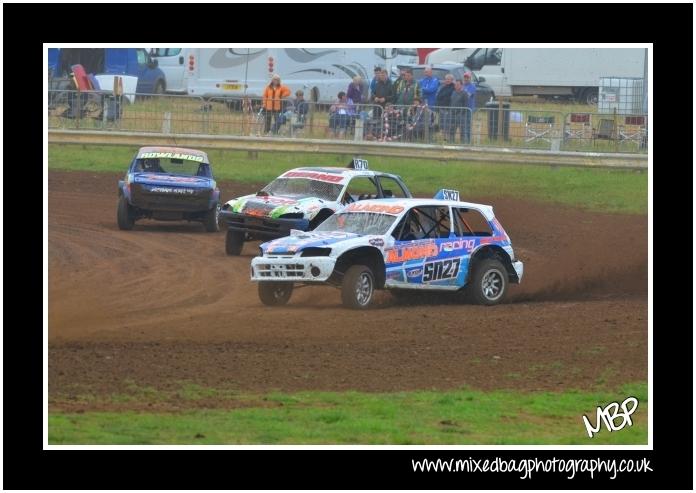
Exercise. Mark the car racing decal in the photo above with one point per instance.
(393, 210)
(315, 176)
(434, 262)
(169, 178)
(274, 207)
(171, 155)
(298, 242)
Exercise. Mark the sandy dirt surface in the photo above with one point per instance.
(163, 304)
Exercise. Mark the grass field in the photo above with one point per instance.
(622, 191)
(426, 417)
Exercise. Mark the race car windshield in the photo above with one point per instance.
(173, 166)
(304, 187)
(364, 223)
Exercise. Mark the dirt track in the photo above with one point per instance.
(163, 304)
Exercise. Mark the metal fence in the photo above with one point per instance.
(495, 125)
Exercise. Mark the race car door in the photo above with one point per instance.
(426, 252)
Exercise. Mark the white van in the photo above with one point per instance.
(173, 62)
(449, 55)
(321, 72)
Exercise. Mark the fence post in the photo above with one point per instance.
(556, 137)
(358, 129)
(167, 123)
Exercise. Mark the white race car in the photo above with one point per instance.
(399, 244)
(301, 199)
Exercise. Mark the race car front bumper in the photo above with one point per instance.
(291, 268)
(519, 269)
(262, 227)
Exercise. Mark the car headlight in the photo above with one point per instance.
(315, 252)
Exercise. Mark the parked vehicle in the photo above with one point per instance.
(554, 71)
(320, 72)
(169, 184)
(173, 62)
(449, 55)
(116, 61)
(438, 244)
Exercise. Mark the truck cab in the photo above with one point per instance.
(118, 61)
(488, 63)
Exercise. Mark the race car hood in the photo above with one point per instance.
(170, 180)
(275, 206)
(299, 240)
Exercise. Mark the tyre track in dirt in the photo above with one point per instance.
(163, 304)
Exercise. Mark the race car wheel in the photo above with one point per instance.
(358, 287)
(234, 241)
(275, 293)
(488, 282)
(212, 220)
(125, 214)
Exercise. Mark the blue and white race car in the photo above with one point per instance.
(302, 198)
(169, 184)
(399, 244)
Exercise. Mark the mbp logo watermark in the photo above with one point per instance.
(610, 414)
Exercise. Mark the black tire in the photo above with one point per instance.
(488, 283)
(590, 96)
(159, 87)
(273, 293)
(234, 242)
(125, 215)
(211, 221)
(358, 288)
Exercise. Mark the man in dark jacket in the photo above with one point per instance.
(382, 93)
(459, 101)
(443, 101)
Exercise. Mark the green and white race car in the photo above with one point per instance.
(301, 199)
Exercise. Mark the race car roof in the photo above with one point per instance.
(172, 152)
(330, 174)
(392, 204)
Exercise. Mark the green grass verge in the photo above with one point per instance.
(593, 189)
(424, 417)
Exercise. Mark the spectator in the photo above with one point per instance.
(382, 93)
(298, 108)
(397, 83)
(407, 90)
(341, 115)
(355, 92)
(458, 109)
(392, 124)
(442, 101)
(272, 102)
(470, 88)
(373, 82)
(416, 120)
(429, 86)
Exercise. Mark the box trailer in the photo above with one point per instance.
(573, 72)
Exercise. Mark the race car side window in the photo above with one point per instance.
(470, 222)
(361, 188)
(391, 188)
(424, 222)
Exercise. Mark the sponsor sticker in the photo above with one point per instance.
(314, 176)
(171, 155)
(412, 252)
(379, 208)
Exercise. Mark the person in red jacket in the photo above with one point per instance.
(273, 101)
